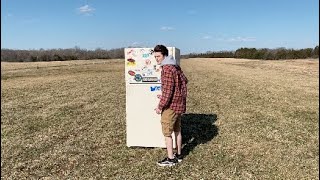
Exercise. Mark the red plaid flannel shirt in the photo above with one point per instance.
(173, 88)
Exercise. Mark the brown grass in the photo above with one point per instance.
(66, 120)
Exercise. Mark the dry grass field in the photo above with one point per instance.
(246, 119)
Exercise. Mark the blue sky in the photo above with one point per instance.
(191, 25)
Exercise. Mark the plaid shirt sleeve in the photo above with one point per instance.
(167, 87)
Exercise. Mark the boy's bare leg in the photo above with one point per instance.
(178, 137)
(169, 145)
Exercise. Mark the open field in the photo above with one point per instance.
(246, 119)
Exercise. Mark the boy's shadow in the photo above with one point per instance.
(197, 129)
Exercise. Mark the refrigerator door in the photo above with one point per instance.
(143, 123)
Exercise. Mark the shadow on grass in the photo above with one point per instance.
(197, 129)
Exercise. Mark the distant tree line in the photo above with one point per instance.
(76, 53)
(264, 53)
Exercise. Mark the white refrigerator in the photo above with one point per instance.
(143, 86)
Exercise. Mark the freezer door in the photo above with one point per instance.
(141, 66)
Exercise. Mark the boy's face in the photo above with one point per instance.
(159, 57)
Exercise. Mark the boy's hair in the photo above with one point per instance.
(161, 48)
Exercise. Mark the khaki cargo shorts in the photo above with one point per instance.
(170, 122)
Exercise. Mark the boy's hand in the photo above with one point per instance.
(158, 111)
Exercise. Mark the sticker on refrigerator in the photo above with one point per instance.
(131, 73)
(131, 62)
(155, 88)
(146, 55)
(147, 72)
(149, 79)
(148, 62)
(131, 52)
(138, 77)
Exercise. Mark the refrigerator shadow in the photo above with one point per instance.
(197, 129)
